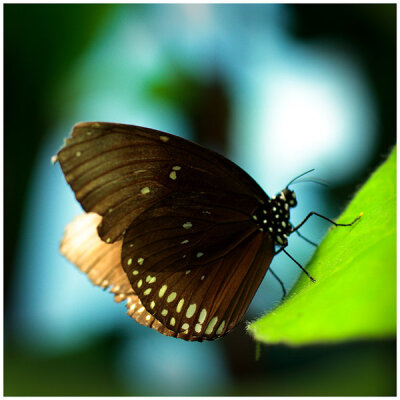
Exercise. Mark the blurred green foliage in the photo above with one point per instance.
(354, 296)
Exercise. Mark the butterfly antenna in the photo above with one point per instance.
(313, 180)
(297, 177)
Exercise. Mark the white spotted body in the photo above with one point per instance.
(273, 217)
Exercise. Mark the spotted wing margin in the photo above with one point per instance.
(205, 303)
(101, 262)
(119, 171)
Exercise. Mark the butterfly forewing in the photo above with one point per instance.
(192, 256)
(118, 171)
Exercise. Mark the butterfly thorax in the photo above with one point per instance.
(273, 216)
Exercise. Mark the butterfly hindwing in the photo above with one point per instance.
(207, 300)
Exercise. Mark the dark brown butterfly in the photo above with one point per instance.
(180, 232)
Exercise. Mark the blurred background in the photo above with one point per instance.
(279, 89)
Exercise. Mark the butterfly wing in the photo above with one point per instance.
(102, 263)
(119, 171)
(203, 301)
(190, 248)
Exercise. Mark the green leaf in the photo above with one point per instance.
(354, 296)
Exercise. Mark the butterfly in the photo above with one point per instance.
(181, 233)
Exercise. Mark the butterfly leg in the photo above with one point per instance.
(307, 240)
(280, 282)
(323, 217)
(311, 278)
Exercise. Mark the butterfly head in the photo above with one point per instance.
(289, 197)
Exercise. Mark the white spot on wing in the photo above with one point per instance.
(180, 305)
(221, 328)
(187, 225)
(162, 291)
(191, 310)
(172, 175)
(145, 190)
(171, 297)
(211, 325)
(202, 315)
